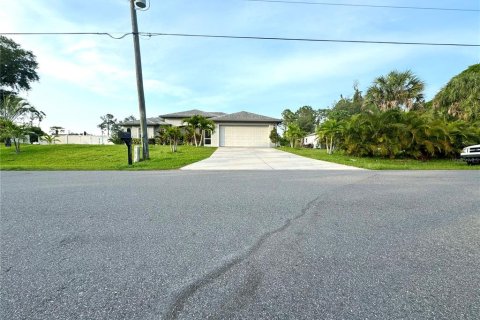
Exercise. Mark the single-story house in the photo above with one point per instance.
(153, 125)
(241, 129)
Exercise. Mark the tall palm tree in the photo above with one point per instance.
(200, 124)
(401, 90)
(194, 122)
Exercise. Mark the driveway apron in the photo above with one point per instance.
(261, 159)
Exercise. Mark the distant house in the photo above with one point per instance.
(153, 126)
(241, 129)
(311, 140)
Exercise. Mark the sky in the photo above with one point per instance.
(83, 77)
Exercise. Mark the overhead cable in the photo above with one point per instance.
(155, 34)
(122, 35)
(365, 5)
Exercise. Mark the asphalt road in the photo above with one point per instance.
(240, 245)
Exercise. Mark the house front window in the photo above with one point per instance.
(208, 138)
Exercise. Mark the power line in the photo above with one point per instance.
(311, 40)
(365, 5)
(67, 33)
(155, 34)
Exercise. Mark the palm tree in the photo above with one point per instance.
(188, 135)
(9, 130)
(197, 123)
(330, 130)
(357, 134)
(13, 107)
(401, 90)
(50, 139)
(422, 135)
(293, 133)
(194, 122)
(463, 134)
(172, 135)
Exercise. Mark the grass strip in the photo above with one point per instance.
(381, 163)
(96, 157)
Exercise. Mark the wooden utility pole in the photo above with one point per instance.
(141, 95)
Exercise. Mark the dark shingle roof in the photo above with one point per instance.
(244, 116)
(190, 113)
(156, 121)
(218, 114)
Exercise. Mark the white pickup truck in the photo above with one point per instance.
(471, 154)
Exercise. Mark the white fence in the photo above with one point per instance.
(79, 139)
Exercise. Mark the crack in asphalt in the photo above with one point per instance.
(189, 290)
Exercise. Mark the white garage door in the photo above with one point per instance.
(244, 136)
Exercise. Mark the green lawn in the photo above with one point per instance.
(96, 157)
(380, 163)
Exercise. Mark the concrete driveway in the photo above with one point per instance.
(261, 159)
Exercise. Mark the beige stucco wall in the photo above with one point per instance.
(174, 122)
(135, 131)
(151, 132)
(216, 137)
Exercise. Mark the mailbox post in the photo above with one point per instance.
(127, 138)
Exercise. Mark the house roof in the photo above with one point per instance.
(244, 116)
(190, 113)
(156, 121)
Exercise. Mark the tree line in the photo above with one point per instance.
(393, 119)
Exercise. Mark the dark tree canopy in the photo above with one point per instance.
(347, 107)
(17, 66)
(306, 118)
